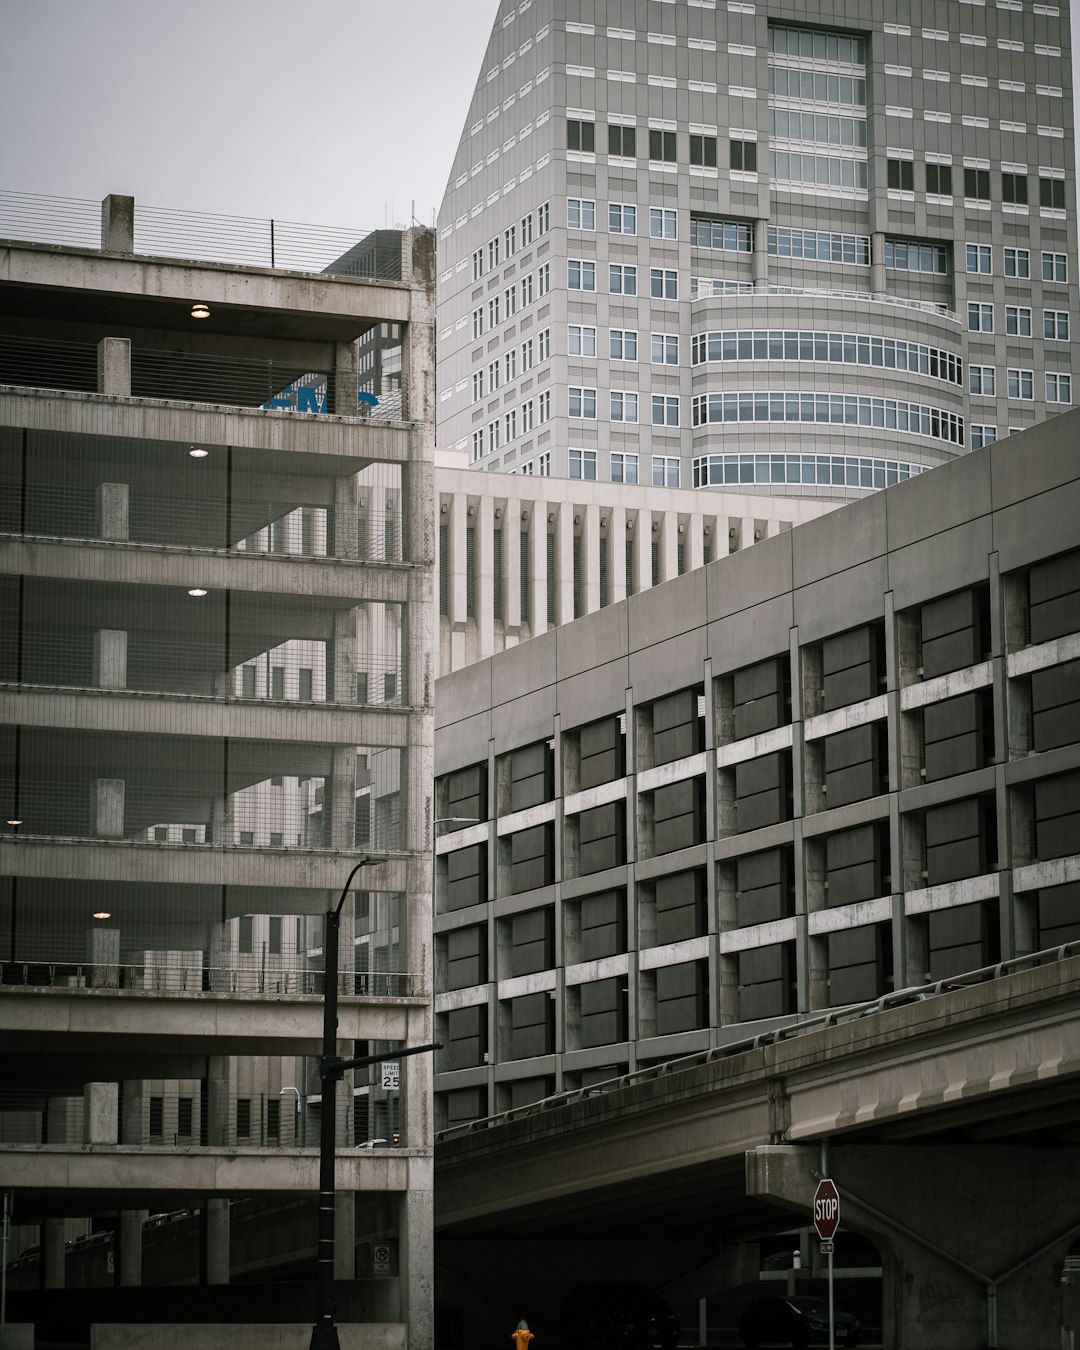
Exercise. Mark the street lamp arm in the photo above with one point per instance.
(333, 1067)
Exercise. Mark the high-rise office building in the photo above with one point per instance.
(698, 243)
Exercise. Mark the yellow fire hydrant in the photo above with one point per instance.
(521, 1335)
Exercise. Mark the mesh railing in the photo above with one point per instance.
(814, 1022)
(170, 975)
(191, 377)
(706, 288)
(240, 241)
(181, 1119)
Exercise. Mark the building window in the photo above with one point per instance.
(1052, 192)
(493, 375)
(277, 681)
(580, 275)
(663, 283)
(982, 380)
(978, 258)
(526, 355)
(494, 435)
(703, 150)
(510, 365)
(583, 464)
(526, 230)
(623, 467)
(543, 464)
(814, 245)
(1058, 388)
(742, 154)
(580, 135)
(663, 223)
(493, 311)
(665, 470)
(622, 279)
(493, 252)
(1055, 266)
(510, 425)
(662, 146)
(900, 174)
(622, 345)
(981, 435)
(543, 218)
(665, 349)
(1014, 188)
(543, 344)
(1056, 325)
(1021, 383)
(510, 301)
(939, 179)
(622, 218)
(580, 214)
(622, 141)
(478, 322)
(543, 408)
(981, 317)
(243, 1117)
(624, 406)
(477, 385)
(248, 687)
(665, 410)
(1017, 262)
(543, 279)
(581, 340)
(1017, 320)
(510, 240)
(977, 184)
(582, 402)
(907, 255)
(478, 264)
(527, 417)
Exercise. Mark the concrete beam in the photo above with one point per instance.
(109, 563)
(134, 712)
(358, 301)
(131, 860)
(196, 1023)
(353, 441)
(234, 1336)
(973, 1241)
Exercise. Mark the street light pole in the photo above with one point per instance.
(332, 1069)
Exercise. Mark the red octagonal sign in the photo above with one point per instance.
(826, 1209)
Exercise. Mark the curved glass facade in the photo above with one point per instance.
(824, 470)
(854, 349)
(856, 410)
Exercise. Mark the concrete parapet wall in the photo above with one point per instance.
(283, 1336)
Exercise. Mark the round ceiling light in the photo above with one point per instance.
(197, 591)
(197, 452)
(200, 310)
(102, 914)
(13, 820)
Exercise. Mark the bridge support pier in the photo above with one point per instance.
(973, 1239)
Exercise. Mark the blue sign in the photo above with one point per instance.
(305, 399)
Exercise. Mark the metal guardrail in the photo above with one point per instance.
(818, 1022)
(242, 241)
(189, 377)
(709, 289)
(175, 977)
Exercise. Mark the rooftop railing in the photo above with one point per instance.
(239, 241)
(705, 288)
(821, 1021)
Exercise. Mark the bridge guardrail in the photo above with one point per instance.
(818, 1022)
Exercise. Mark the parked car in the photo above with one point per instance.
(798, 1320)
(618, 1317)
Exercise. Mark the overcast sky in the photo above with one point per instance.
(336, 112)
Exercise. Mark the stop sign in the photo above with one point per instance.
(826, 1209)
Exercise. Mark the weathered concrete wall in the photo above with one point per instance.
(289, 1336)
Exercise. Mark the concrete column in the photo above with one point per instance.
(877, 263)
(590, 559)
(512, 526)
(114, 366)
(616, 554)
(103, 957)
(346, 378)
(345, 656)
(418, 336)
(416, 1255)
(112, 510)
(346, 511)
(926, 1209)
(564, 563)
(669, 546)
(642, 552)
(118, 224)
(339, 798)
(537, 617)
(130, 1235)
(101, 1110)
(216, 1241)
(344, 1233)
(761, 254)
(484, 524)
(52, 1251)
(107, 808)
(110, 658)
(216, 1088)
(132, 1114)
(457, 522)
(694, 541)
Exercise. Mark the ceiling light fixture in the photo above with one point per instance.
(196, 591)
(197, 452)
(102, 914)
(13, 820)
(200, 310)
